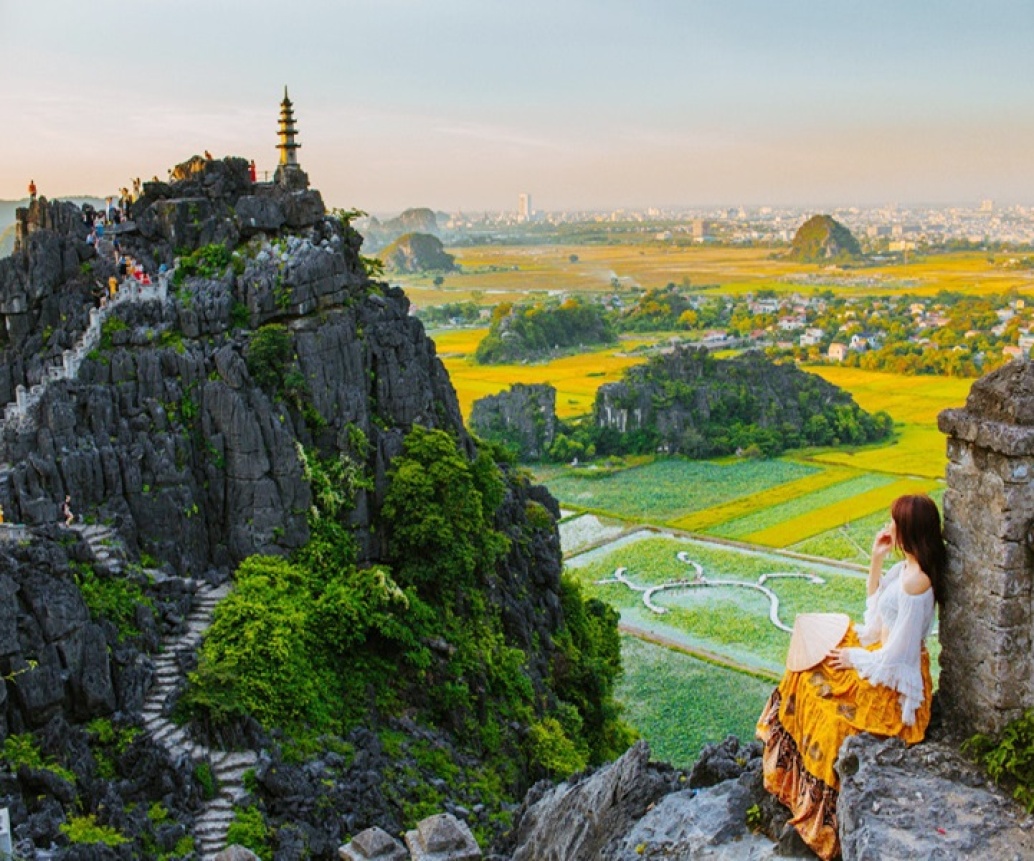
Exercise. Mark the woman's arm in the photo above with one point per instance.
(881, 546)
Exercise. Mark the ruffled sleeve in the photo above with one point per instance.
(870, 630)
(897, 665)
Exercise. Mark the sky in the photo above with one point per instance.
(461, 105)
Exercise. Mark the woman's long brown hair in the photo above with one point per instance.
(919, 532)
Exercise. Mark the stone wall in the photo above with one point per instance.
(987, 618)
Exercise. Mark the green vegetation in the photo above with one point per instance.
(108, 328)
(522, 332)
(209, 261)
(249, 830)
(22, 750)
(107, 743)
(86, 830)
(450, 313)
(418, 635)
(113, 598)
(1009, 757)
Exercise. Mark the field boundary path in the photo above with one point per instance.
(228, 767)
(698, 653)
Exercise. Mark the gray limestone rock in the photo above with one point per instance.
(700, 824)
(235, 852)
(259, 214)
(524, 417)
(588, 818)
(373, 844)
(442, 838)
(923, 802)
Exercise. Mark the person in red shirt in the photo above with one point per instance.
(252, 172)
(32, 189)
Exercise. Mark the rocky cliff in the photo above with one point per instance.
(183, 421)
(523, 417)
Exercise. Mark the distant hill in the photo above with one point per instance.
(417, 252)
(823, 239)
(7, 241)
(417, 220)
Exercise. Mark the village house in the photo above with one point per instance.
(837, 351)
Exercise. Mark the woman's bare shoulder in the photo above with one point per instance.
(915, 581)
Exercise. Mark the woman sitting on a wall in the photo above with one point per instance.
(877, 680)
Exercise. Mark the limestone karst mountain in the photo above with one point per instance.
(417, 252)
(266, 423)
(823, 239)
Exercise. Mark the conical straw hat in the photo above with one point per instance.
(814, 635)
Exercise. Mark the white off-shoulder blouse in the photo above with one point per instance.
(899, 621)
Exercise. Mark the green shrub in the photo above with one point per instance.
(209, 261)
(1009, 757)
(22, 750)
(249, 830)
(108, 328)
(552, 750)
(112, 598)
(84, 829)
(270, 351)
(206, 779)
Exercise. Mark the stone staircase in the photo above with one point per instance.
(228, 767)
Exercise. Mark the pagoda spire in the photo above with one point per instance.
(287, 145)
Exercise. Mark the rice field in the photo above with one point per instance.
(809, 504)
(497, 273)
(679, 704)
(666, 490)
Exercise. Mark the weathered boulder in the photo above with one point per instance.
(923, 802)
(417, 252)
(373, 844)
(442, 838)
(235, 852)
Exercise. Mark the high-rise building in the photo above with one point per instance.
(524, 206)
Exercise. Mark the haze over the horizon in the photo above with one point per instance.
(461, 104)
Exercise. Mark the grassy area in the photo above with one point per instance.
(679, 704)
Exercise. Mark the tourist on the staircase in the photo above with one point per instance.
(66, 510)
(876, 680)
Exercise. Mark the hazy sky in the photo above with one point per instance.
(462, 104)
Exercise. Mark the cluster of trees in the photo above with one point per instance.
(532, 331)
(315, 644)
(462, 313)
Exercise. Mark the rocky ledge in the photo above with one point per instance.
(926, 801)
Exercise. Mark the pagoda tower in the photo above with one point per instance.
(287, 145)
(288, 172)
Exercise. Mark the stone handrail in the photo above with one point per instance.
(130, 290)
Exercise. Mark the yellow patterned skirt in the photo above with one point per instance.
(803, 725)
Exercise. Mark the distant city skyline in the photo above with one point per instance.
(403, 103)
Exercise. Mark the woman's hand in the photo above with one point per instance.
(840, 660)
(883, 543)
